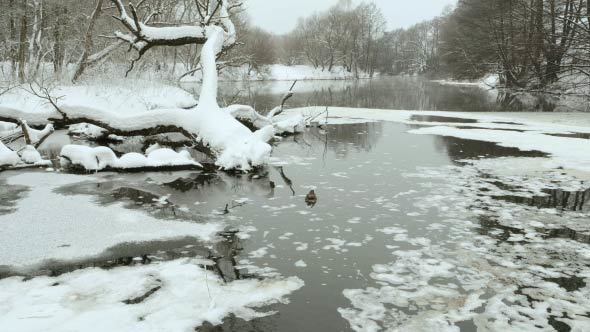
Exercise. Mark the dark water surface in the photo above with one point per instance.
(399, 93)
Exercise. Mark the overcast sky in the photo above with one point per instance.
(280, 16)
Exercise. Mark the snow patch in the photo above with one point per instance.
(182, 296)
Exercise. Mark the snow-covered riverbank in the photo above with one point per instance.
(279, 72)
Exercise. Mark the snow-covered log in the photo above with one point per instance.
(219, 134)
(102, 158)
(32, 136)
(254, 120)
(29, 156)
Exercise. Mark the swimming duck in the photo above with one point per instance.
(311, 199)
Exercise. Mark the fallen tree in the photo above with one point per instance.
(213, 130)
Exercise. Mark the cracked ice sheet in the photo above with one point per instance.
(45, 226)
(520, 281)
(94, 299)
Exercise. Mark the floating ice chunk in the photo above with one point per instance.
(300, 263)
(259, 253)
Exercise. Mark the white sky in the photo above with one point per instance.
(280, 16)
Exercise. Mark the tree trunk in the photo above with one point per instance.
(88, 42)
(59, 42)
(13, 41)
(22, 49)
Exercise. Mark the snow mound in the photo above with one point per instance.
(101, 158)
(181, 295)
(30, 155)
(86, 130)
(7, 156)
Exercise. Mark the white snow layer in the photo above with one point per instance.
(49, 226)
(28, 156)
(99, 158)
(184, 296)
(7, 156)
(114, 96)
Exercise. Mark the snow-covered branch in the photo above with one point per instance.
(254, 120)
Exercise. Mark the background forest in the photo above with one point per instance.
(530, 44)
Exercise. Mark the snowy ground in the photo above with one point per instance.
(128, 97)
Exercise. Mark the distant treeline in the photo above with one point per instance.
(530, 44)
(345, 35)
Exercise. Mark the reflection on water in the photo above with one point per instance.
(432, 118)
(401, 93)
(555, 198)
(9, 195)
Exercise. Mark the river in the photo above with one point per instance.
(406, 232)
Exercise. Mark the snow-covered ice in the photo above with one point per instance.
(50, 226)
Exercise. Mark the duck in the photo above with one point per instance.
(311, 199)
